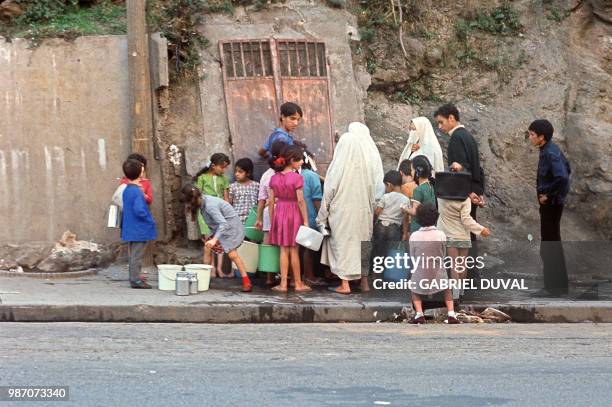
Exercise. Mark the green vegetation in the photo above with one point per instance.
(56, 18)
(555, 10)
(227, 6)
(178, 20)
(473, 36)
(416, 93)
(557, 15)
(502, 20)
(374, 15)
(371, 65)
(410, 97)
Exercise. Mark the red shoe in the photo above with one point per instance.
(419, 320)
(452, 321)
(247, 287)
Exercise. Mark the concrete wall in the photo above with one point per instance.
(292, 19)
(63, 134)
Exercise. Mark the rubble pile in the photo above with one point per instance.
(438, 315)
(68, 254)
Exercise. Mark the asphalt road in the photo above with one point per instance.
(311, 364)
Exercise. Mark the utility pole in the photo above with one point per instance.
(141, 127)
(141, 112)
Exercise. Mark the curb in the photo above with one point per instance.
(554, 313)
(53, 276)
(214, 313)
(282, 313)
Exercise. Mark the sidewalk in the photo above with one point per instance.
(106, 297)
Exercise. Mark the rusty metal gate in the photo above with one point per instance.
(260, 75)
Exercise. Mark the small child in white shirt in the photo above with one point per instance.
(390, 218)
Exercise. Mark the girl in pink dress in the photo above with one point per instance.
(286, 189)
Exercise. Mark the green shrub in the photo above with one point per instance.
(502, 20)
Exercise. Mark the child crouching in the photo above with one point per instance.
(226, 230)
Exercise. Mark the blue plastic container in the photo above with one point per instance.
(396, 273)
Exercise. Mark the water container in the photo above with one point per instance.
(309, 238)
(203, 272)
(397, 272)
(182, 283)
(269, 258)
(249, 253)
(193, 282)
(167, 276)
(250, 232)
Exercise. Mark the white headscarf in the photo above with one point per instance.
(353, 184)
(360, 140)
(425, 137)
(356, 161)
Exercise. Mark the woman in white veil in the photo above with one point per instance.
(353, 184)
(422, 140)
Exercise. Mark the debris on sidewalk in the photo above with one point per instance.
(7, 264)
(70, 254)
(67, 254)
(438, 315)
(489, 315)
(495, 315)
(405, 315)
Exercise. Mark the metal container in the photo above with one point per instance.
(182, 283)
(114, 217)
(193, 282)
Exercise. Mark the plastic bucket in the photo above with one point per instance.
(269, 258)
(167, 276)
(250, 232)
(309, 238)
(203, 271)
(249, 253)
(395, 273)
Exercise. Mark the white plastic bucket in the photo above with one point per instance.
(249, 253)
(203, 271)
(167, 276)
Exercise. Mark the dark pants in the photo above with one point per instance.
(551, 248)
(384, 238)
(135, 256)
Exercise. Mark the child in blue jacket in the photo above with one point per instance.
(138, 226)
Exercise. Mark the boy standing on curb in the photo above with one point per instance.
(138, 226)
(553, 185)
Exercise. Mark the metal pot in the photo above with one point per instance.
(182, 283)
(193, 282)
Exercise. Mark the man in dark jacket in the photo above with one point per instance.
(553, 184)
(462, 153)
